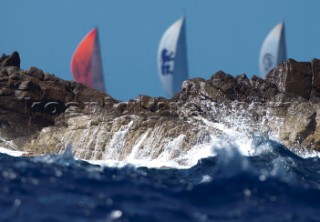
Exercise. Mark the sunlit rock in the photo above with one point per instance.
(40, 113)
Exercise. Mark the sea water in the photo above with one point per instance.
(267, 182)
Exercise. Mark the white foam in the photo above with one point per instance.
(134, 153)
(15, 153)
(240, 139)
(236, 133)
(304, 153)
(117, 143)
(199, 151)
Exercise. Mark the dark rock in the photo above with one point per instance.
(12, 60)
(4, 73)
(243, 82)
(189, 88)
(16, 76)
(3, 57)
(147, 102)
(245, 91)
(49, 77)
(13, 83)
(4, 124)
(293, 78)
(212, 93)
(73, 85)
(11, 69)
(36, 73)
(6, 91)
(299, 79)
(29, 85)
(120, 107)
(265, 90)
(21, 95)
(277, 76)
(226, 83)
(4, 79)
(315, 92)
(3, 60)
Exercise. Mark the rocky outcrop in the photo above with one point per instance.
(32, 99)
(12, 60)
(41, 113)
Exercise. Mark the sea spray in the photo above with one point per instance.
(273, 184)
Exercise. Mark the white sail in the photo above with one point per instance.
(172, 58)
(273, 50)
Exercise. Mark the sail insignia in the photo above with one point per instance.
(172, 58)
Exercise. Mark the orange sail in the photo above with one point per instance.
(86, 65)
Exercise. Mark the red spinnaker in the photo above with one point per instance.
(86, 66)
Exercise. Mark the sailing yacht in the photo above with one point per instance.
(172, 58)
(273, 50)
(86, 65)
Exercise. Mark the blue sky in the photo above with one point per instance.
(221, 35)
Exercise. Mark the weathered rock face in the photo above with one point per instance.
(293, 78)
(12, 60)
(40, 113)
(31, 100)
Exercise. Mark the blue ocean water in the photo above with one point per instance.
(275, 185)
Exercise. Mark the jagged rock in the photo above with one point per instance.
(315, 92)
(6, 92)
(226, 83)
(12, 60)
(293, 78)
(36, 73)
(29, 85)
(41, 113)
(49, 77)
(29, 101)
